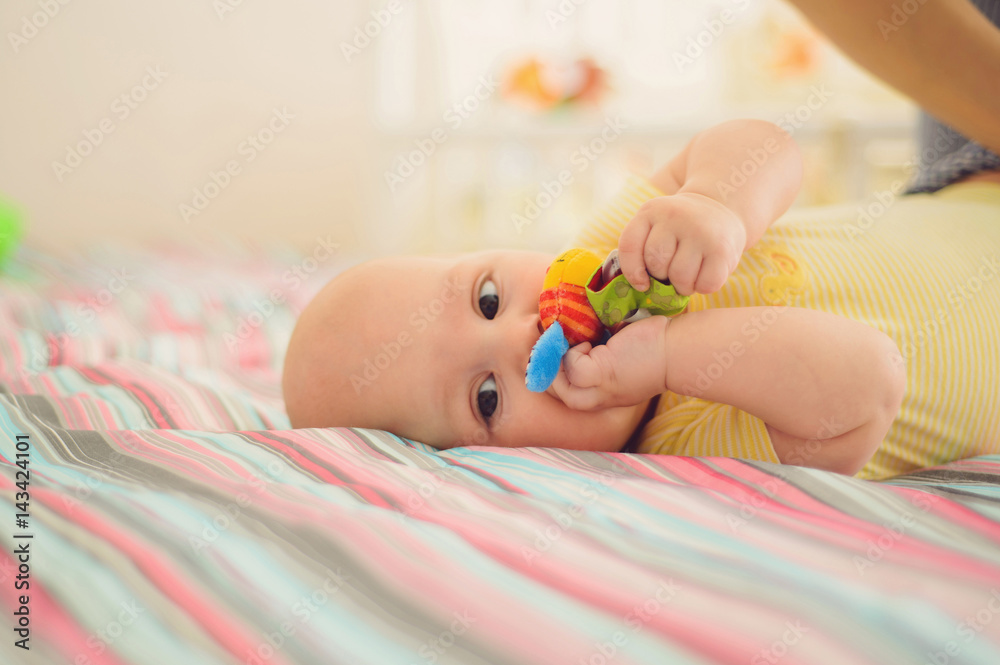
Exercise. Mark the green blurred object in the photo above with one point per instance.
(10, 230)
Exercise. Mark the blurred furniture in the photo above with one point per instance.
(461, 165)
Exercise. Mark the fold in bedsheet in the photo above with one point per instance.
(175, 518)
(136, 339)
(340, 546)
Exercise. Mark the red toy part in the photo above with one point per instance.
(568, 304)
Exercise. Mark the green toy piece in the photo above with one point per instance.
(619, 301)
(585, 300)
(10, 230)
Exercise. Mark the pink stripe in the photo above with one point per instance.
(608, 595)
(182, 463)
(534, 635)
(597, 591)
(17, 361)
(395, 548)
(149, 390)
(956, 513)
(50, 624)
(147, 448)
(161, 572)
(125, 382)
(829, 522)
(389, 544)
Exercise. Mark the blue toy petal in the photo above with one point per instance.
(546, 356)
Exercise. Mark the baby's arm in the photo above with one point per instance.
(722, 190)
(826, 387)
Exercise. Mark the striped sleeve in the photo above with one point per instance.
(602, 232)
(698, 428)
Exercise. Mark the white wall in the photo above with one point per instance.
(226, 65)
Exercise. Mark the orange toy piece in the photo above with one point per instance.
(584, 299)
(564, 297)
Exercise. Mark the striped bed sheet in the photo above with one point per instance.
(171, 516)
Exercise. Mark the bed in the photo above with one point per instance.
(157, 508)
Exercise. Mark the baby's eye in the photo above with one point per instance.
(487, 398)
(489, 301)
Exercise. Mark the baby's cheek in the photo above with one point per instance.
(603, 430)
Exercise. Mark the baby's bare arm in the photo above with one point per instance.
(711, 164)
(722, 192)
(827, 387)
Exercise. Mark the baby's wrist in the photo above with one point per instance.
(672, 346)
(665, 342)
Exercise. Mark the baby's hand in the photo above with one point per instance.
(628, 370)
(690, 239)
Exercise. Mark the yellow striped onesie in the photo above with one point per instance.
(924, 268)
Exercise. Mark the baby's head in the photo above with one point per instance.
(435, 349)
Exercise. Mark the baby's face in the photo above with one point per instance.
(435, 349)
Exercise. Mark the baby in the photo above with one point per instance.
(794, 348)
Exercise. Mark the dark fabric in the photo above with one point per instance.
(944, 155)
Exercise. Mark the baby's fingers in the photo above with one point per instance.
(580, 368)
(581, 399)
(660, 252)
(685, 268)
(631, 247)
(714, 273)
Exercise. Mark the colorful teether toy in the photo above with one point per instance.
(582, 299)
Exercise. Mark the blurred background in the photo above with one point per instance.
(391, 126)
